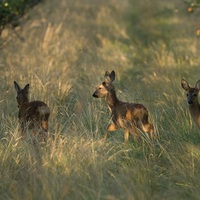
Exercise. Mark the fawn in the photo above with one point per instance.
(192, 98)
(32, 115)
(129, 116)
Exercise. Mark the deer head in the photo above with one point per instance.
(192, 92)
(105, 87)
(22, 94)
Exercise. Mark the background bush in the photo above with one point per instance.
(11, 10)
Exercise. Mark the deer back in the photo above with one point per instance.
(33, 110)
(131, 113)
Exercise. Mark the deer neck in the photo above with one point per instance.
(24, 102)
(112, 99)
(195, 110)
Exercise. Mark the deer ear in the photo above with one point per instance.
(107, 77)
(106, 74)
(26, 88)
(185, 85)
(17, 88)
(112, 76)
(197, 86)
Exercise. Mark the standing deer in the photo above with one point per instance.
(129, 116)
(192, 98)
(32, 115)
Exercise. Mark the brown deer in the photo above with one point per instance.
(132, 117)
(32, 115)
(192, 99)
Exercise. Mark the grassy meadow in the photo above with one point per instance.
(62, 49)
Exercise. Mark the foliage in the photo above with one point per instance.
(192, 5)
(11, 10)
(193, 2)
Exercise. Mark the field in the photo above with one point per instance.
(62, 49)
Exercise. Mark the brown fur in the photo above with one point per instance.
(129, 116)
(192, 98)
(32, 115)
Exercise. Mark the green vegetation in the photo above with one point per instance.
(193, 6)
(193, 3)
(66, 48)
(10, 10)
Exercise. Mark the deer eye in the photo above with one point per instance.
(194, 95)
(187, 95)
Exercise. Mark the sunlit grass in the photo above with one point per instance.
(65, 51)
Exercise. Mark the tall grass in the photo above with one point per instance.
(63, 53)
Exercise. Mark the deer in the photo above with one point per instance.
(33, 116)
(192, 99)
(132, 117)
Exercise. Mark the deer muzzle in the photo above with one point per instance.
(95, 95)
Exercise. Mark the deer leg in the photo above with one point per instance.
(45, 125)
(134, 131)
(126, 135)
(148, 128)
(152, 133)
(136, 134)
(23, 129)
(111, 127)
(44, 135)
